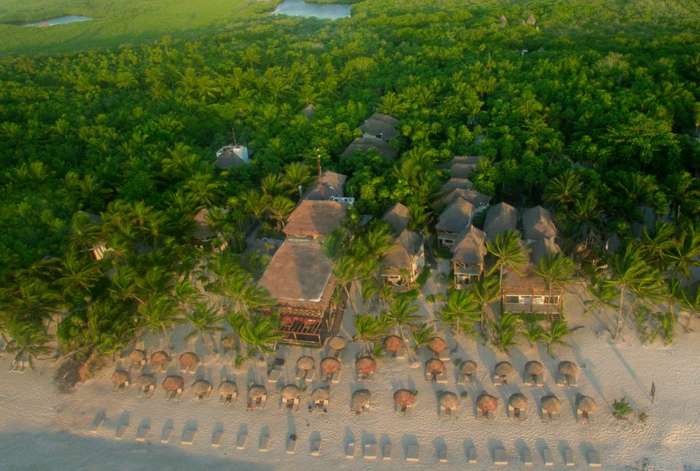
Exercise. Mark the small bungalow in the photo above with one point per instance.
(368, 143)
(538, 224)
(479, 200)
(328, 186)
(231, 156)
(463, 166)
(397, 217)
(456, 184)
(468, 257)
(404, 261)
(381, 126)
(453, 221)
(300, 278)
(312, 219)
(500, 218)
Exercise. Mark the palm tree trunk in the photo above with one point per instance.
(500, 286)
(618, 328)
(347, 293)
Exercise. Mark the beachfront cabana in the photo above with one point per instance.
(500, 218)
(404, 399)
(120, 379)
(173, 385)
(518, 406)
(486, 405)
(550, 406)
(188, 362)
(404, 260)
(228, 392)
(453, 221)
(585, 407)
(502, 372)
(365, 367)
(568, 373)
(534, 373)
(480, 201)
(257, 397)
(448, 402)
(369, 143)
(381, 126)
(360, 401)
(397, 217)
(456, 184)
(538, 224)
(328, 186)
(468, 256)
(312, 219)
(202, 389)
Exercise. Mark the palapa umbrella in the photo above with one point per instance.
(437, 345)
(137, 357)
(173, 384)
(257, 391)
(360, 401)
(586, 405)
(337, 343)
(147, 382)
(366, 366)
(330, 366)
(518, 404)
(393, 343)
(434, 367)
(551, 405)
(320, 395)
(486, 403)
(290, 392)
(305, 363)
(534, 368)
(201, 388)
(228, 342)
(404, 398)
(228, 391)
(469, 368)
(188, 361)
(504, 369)
(449, 402)
(568, 368)
(160, 359)
(120, 379)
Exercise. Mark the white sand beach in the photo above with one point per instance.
(41, 429)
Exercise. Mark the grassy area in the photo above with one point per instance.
(116, 23)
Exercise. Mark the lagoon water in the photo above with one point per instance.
(323, 11)
(61, 20)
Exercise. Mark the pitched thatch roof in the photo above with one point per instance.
(370, 143)
(465, 160)
(406, 246)
(456, 217)
(471, 249)
(568, 368)
(504, 368)
(501, 217)
(526, 283)
(456, 184)
(469, 367)
(518, 401)
(551, 404)
(381, 126)
(397, 217)
(314, 218)
(543, 247)
(327, 185)
(487, 403)
(474, 197)
(586, 404)
(534, 368)
(448, 400)
(299, 272)
(538, 224)
(404, 398)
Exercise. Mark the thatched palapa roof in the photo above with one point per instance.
(534, 368)
(381, 126)
(314, 218)
(518, 401)
(504, 369)
(542, 247)
(370, 143)
(456, 184)
(469, 367)
(327, 185)
(487, 403)
(397, 217)
(538, 224)
(474, 197)
(471, 249)
(456, 217)
(299, 273)
(399, 256)
(500, 218)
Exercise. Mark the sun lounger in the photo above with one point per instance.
(241, 439)
(471, 455)
(370, 451)
(121, 429)
(274, 375)
(291, 444)
(142, 431)
(97, 421)
(593, 459)
(264, 444)
(188, 434)
(386, 451)
(441, 453)
(444, 355)
(568, 456)
(350, 449)
(526, 456)
(547, 457)
(335, 377)
(500, 458)
(216, 437)
(167, 432)
(412, 453)
(315, 446)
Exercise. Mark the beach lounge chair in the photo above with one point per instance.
(264, 442)
(142, 431)
(188, 434)
(547, 456)
(500, 458)
(369, 450)
(241, 439)
(291, 444)
(412, 451)
(315, 446)
(471, 455)
(568, 456)
(216, 437)
(350, 449)
(386, 450)
(593, 459)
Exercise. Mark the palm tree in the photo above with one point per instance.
(504, 331)
(279, 209)
(296, 174)
(556, 270)
(260, 334)
(563, 190)
(485, 291)
(423, 335)
(462, 311)
(237, 288)
(368, 329)
(347, 270)
(558, 329)
(510, 255)
(27, 340)
(204, 321)
(533, 331)
(586, 217)
(686, 251)
(402, 313)
(658, 245)
(158, 314)
(630, 274)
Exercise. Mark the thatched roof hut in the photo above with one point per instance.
(463, 166)
(538, 224)
(437, 345)
(404, 398)
(330, 365)
(504, 369)
(360, 401)
(160, 359)
(315, 218)
(306, 363)
(366, 366)
(381, 126)
(456, 184)
(393, 343)
(454, 219)
(468, 367)
(479, 200)
(402, 253)
(120, 378)
(551, 405)
(434, 366)
(397, 217)
(368, 143)
(328, 185)
(173, 383)
(188, 361)
(337, 343)
(486, 403)
(500, 218)
(449, 402)
(469, 252)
